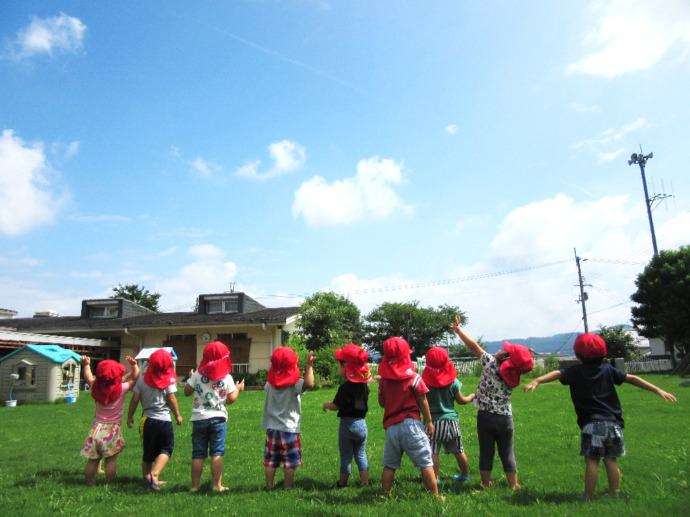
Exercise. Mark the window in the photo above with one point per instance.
(103, 311)
(222, 306)
(26, 372)
(67, 374)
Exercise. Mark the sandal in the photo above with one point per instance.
(491, 483)
(152, 485)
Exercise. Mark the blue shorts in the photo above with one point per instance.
(602, 439)
(208, 438)
(282, 447)
(409, 437)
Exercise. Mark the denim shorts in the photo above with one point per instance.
(409, 437)
(602, 439)
(208, 438)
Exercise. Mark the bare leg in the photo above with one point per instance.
(110, 468)
(197, 469)
(464, 467)
(217, 472)
(387, 481)
(270, 477)
(485, 476)
(513, 480)
(90, 471)
(161, 462)
(364, 477)
(429, 479)
(289, 477)
(434, 459)
(614, 476)
(591, 476)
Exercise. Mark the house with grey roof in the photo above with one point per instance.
(249, 329)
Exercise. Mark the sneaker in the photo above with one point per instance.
(459, 477)
(584, 499)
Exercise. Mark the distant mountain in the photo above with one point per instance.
(556, 344)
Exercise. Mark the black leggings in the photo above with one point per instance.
(495, 431)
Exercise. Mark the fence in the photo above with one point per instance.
(656, 365)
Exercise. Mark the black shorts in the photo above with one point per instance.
(157, 438)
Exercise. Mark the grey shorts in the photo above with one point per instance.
(409, 437)
(601, 439)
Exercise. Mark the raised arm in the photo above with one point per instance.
(232, 397)
(88, 374)
(134, 373)
(309, 372)
(641, 383)
(469, 342)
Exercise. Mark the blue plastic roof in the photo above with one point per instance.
(55, 353)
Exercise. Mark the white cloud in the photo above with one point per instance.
(631, 35)
(369, 195)
(451, 129)
(601, 144)
(203, 168)
(28, 196)
(287, 156)
(47, 36)
(208, 273)
(526, 283)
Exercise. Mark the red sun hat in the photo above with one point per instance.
(216, 362)
(590, 346)
(160, 373)
(107, 386)
(283, 371)
(519, 362)
(355, 359)
(439, 371)
(396, 364)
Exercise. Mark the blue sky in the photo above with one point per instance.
(448, 152)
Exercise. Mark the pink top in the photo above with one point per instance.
(112, 413)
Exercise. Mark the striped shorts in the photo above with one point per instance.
(448, 434)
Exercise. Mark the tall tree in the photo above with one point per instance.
(619, 343)
(663, 298)
(421, 327)
(329, 319)
(137, 294)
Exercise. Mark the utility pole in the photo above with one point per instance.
(583, 294)
(641, 160)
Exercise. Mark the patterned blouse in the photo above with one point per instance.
(493, 394)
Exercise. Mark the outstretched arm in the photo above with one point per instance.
(461, 399)
(469, 342)
(641, 383)
(549, 377)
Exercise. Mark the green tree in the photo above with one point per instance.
(139, 295)
(329, 319)
(619, 343)
(421, 327)
(663, 298)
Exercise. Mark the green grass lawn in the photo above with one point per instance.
(41, 471)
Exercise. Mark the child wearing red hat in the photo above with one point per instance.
(213, 389)
(156, 389)
(351, 403)
(105, 441)
(402, 395)
(600, 417)
(283, 413)
(495, 430)
(441, 378)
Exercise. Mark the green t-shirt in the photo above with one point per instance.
(442, 401)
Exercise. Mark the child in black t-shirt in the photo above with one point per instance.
(599, 415)
(351, 403)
